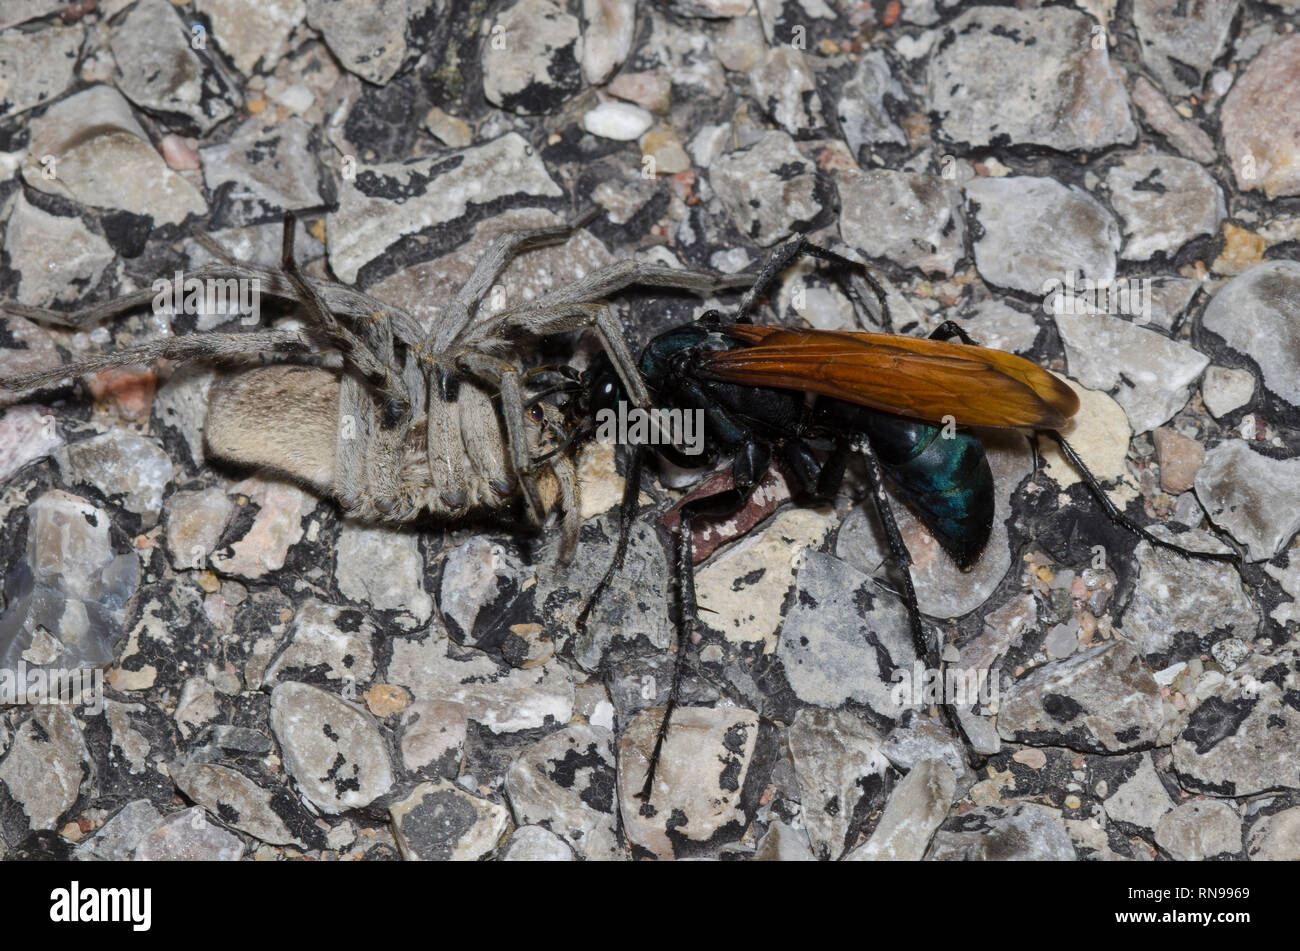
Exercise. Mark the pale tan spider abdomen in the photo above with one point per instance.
(282, 418)
(316, 428)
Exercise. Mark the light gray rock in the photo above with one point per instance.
(1241, 739)
(1199, 830)
(1147, 373)
(369, 39)
(780, 843)
(1177, 594)
(921, 738)
(159, 69)
(195, 522)
(531, 57)
(1027, 77)
(252, 31)
(130, 470)
(1261, 134)
(20, 11)
(189, 836)
(1036, 230)
(1225, 389)
(268, 812)
(36, 67)
(863, 108)
(916, 808)
(1254, 498)
(914, 220)
(996, 324)
(1275, 838)
(182, 404)
(535, 844)
(1255, 314)
(1180, 42)
(634, 610)
(331, 748)
(117, 838)
(276, 527)
(383, 567)
(710, 9)
(778, 178)
(503, 699)
(1018, 832)
(565, 782)
(608, 29)
(1183, 134)
(269, 171)
(43, 770)
(844, 638)
(432, 737)
(329, 639)
(1141, 799)
(1165, 202)
(386, 202)
(27, 433)
(479, 578)
(839, 761)
(96, 153)
(697, 803)
(1103, 700)
(65, 601)
(1170, 297)
(740, 45)
(785, 86)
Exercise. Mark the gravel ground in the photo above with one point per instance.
(280, 682)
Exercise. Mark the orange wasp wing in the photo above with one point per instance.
(909, 376)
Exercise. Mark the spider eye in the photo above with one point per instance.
(535, 413)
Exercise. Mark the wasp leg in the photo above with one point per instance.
(626, 518)
(950, 329)
(807, 471)
(1115, 515)
(779, 259)
(833, 469)
(750, 464)
(903, 559)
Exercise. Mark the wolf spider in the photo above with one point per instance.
(420, 420)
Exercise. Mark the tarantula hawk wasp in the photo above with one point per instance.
(778, 393)
(419, 420)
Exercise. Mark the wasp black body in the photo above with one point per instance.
(811, 400)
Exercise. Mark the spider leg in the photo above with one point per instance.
(505, 249)
(579, 305)
(357, 356)
(209, 346)
(495, 371)
(566, 474)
